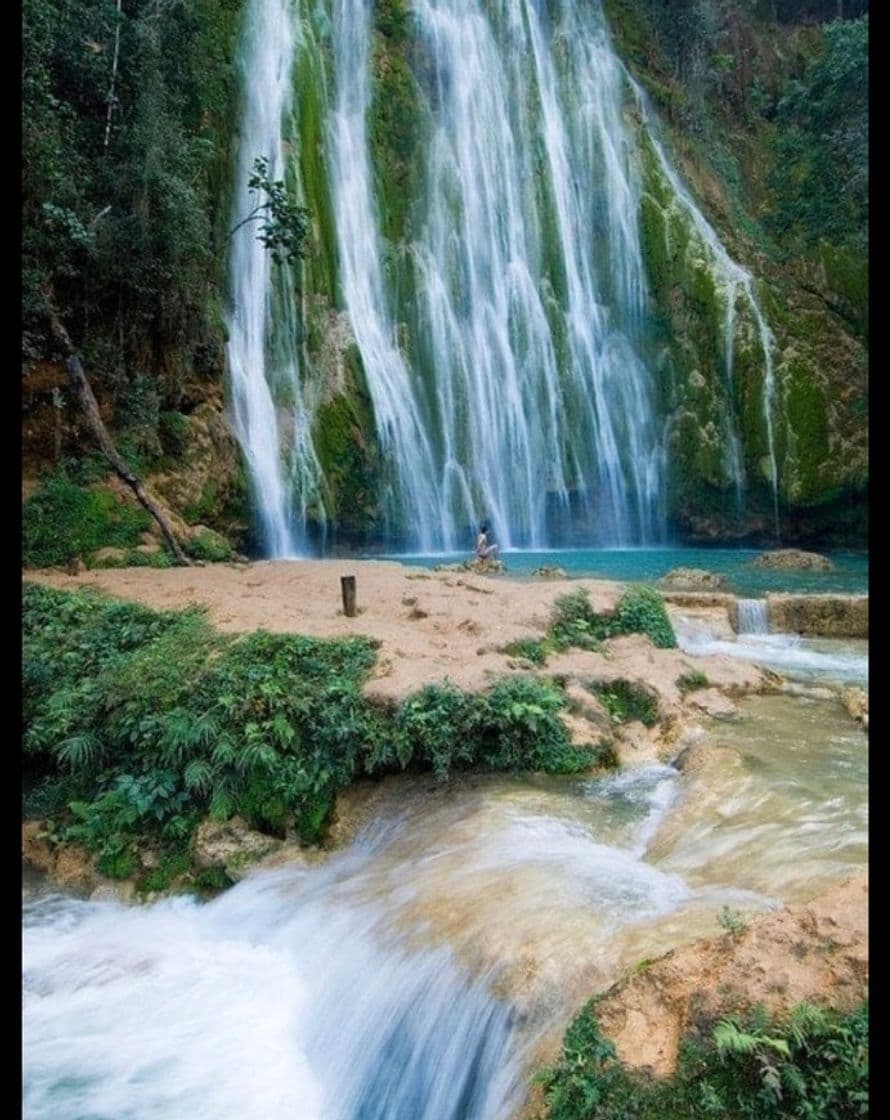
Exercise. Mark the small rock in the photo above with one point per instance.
(713, 703)
(694, 579)
(550, 572)
(122, 891)
(856, 702)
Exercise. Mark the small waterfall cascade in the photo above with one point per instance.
(270, 410)
(241, 1006)
(753, 616)
(505, 339)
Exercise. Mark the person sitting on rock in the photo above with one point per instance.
(484, 550)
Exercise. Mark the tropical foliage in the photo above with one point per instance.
(812, 1065)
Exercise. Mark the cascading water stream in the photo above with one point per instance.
(753, 616)
(412, 975)
(401, 427)
(271, 416)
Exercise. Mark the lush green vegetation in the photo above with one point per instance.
(142, 722)
(126, 134)
(63, 519)
(812, 1065)
(820, 177)
(574, 624)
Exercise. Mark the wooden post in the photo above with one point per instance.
(347, 585)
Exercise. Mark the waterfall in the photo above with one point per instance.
(753, 616)
(271, 414)
(505, 340)
(527, 392)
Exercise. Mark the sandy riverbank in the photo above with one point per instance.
(431, 626)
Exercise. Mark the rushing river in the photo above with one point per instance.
(410, 976)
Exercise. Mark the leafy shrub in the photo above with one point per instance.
(587, 1077)
(522, 729)
(641, 610)
(173, 431)
(626, 701)
(732, 921)
(529, 649)
(692, 681)
(50, 795)
(516, 726)
(63, 519)
(813, 1064)
(575, 623)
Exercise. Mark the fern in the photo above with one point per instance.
(82, 752)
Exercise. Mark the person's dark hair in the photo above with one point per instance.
(483, 528)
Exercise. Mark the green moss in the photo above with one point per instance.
(654, 247)
(320, 268)
(626, 700)
(808, 455)
(117, 865)
(205, 507)
(391, 19)
(210, 882)
(692, 681)
(162, 878)
(395, 126)
(62, 520)
(210, 547)
(846, 278)
(344, 439)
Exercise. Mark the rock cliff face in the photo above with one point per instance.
(726, 136)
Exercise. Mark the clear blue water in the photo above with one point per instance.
(643, 565)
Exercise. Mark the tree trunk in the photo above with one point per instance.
(87, 402)
(117, 43)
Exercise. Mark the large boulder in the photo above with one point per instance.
(793, 558)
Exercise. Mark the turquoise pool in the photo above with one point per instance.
(850, 574)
